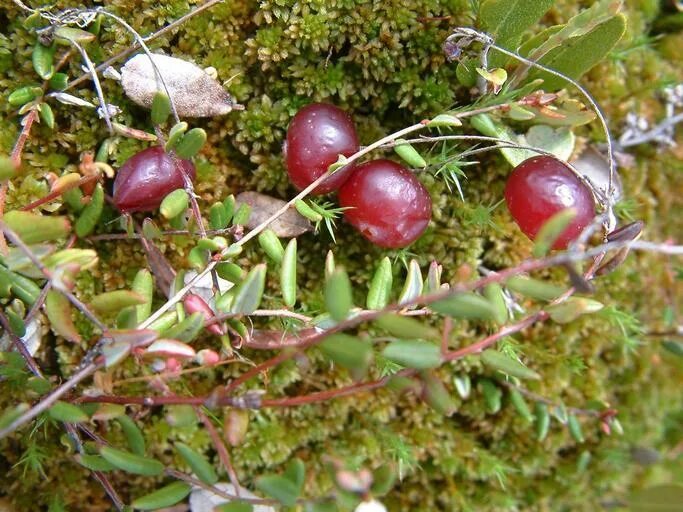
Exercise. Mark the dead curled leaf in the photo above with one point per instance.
(193, 91)
(290, 224)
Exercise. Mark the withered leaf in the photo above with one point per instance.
(288, 225)
(193, 91)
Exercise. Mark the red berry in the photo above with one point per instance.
(540, 187)
(147, 177)
(387, 203)
(317, 135)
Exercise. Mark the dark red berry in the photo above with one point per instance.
(540, 187)
(147, 177)
(387, 203)
(317, 135)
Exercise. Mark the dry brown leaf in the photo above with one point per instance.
(289, 224)
(193, 91)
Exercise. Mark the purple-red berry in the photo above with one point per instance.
(147, 177)
(316, 136)
(387, 203)
(540, 187)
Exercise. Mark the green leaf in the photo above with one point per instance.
(304, 209)
(43, 60)
(675, 347)
(412, 288)
(533, 288)
(296, 472)
(466, 305)
(64, 411)
(242, 215)
(409, 155)
(174, 203)
(493, 292)
(577, 26)
(188, 329)
(132, 463)
(551, 230)
(218, 216)
(437, 396)
(198, 464)
(59, 81)
(58, 310)
(380, 286)
(383, 480)
(578, 55)
(575, 428)
(175, 134)
(33, 228)
(288, 274)
(115, 301)
(191, 143)
(91, 214)
(347, 351)
(503, 363)
(234, 506)
(658, 498)
(572, 308)
(507, 20)
(492, 395)
(542, 420)
(278, 487)
(133, 435)
(94, 462)
(66, 35)
(164, 497)
(47, 115)
(161, 107)
(271, 245)
(405, 327)
(249, 292)
(444, 120)
(143, 285)
(338, 298)
(520, 405)
(23, 95)
(420, 355)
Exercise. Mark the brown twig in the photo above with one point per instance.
(221, 449)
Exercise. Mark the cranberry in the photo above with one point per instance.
(387, 203)
(317, 135)
(540, 187)
(147, 177)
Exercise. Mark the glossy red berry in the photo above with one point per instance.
(387, 203)
(147, 177)
(540, 187)
(316, 136)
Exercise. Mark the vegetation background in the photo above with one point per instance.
(382, 61)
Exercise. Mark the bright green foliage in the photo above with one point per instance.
(382, 61)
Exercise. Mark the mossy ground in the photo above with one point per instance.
(381, 61)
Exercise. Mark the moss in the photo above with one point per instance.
(382, 62)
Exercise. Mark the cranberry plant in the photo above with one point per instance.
(231, 307)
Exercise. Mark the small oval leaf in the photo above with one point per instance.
(420, 355)
(338, 298)
(132, 463)
(164, 497)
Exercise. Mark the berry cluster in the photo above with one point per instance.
(383, 199)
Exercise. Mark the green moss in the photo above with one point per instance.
(382, 62)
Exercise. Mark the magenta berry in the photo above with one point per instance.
(540, 187)
(316, 136)
(387, 203)
(147, 177)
